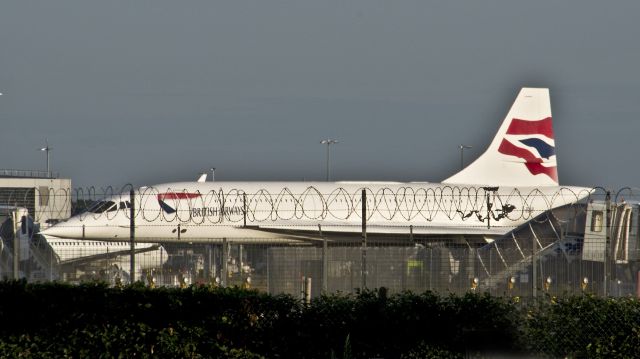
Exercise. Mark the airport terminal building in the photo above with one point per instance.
(42, 193)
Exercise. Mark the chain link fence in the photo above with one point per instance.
(312, 241)
(309, 270)
(549, 254)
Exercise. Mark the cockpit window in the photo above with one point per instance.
(95, 206)
(112, 208)
(124, 205)
(103, 206)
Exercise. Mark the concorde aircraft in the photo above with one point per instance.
(513, 181)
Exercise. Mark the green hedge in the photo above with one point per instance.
(92, 320)
(584, 326)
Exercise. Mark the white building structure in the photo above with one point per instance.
(46, 197)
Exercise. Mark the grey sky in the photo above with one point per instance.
(154, 91)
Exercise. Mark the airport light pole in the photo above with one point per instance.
(328, 142)
(213, 174)
(462, 148)
(47, 149)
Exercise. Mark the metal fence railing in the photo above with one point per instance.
(11, 173)
(551, 260)
(591, 244)
(314, 269)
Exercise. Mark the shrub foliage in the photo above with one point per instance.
(92, 320)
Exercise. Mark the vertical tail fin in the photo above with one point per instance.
(523, 151)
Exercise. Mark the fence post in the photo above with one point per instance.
(325, 262)
(244, 209)
(430, 269)
(224, 270)
(207, 262)
(605, 279)
(488, 211)
(307, 290)
(16, 245)
(132, 236)
(240, 263)
(364, 239)
(534, 274)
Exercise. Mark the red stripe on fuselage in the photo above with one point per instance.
(178, 195)
(524, 127)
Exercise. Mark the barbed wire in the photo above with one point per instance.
(403, 203)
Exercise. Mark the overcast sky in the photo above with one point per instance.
(146, 92)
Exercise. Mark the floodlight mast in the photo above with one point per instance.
(462, 148)
(47, 149)
(328, 142)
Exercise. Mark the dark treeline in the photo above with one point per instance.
(93, 320)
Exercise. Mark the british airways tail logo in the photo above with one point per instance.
(533, 150)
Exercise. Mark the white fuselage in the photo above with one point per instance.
(287, 211)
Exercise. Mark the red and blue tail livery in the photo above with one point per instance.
(532, 141)
(523, 152)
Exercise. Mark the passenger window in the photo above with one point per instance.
(597, 218)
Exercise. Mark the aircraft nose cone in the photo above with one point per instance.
(64, 230)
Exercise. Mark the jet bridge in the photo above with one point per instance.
(620, 222)
(21, 254)
(555, 231)
(603, 235)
